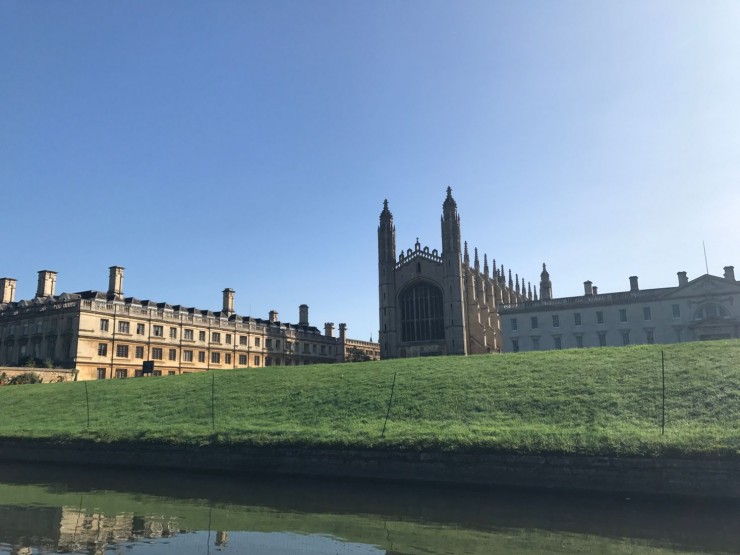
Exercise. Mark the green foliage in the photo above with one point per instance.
(27, 362)
(589, 401)
(357, 355)
(25, 378)
(31, 362)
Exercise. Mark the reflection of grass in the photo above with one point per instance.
(396, 536)
(594, 401)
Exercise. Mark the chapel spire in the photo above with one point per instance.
(450, 225)
(386, 236)
(545, 284)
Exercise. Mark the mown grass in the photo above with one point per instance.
(593, 402)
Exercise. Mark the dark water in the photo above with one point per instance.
(106, 510)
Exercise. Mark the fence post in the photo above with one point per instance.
(87, 403)
(213, 401)
(387, 414)
(662, 365)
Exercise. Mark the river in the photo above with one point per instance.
(58, 509)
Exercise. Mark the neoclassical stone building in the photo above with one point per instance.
(437, 303)
(108, 335)
(691, 310)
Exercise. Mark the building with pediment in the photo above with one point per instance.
(701, 309)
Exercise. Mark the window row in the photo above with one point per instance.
(216, 337)
(124, 373)
(157, 353)
(647, 315)
(36, 327)
(578, 340)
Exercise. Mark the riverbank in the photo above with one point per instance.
(652, 476)
(97, 506)
(549, 419)
(586, 402)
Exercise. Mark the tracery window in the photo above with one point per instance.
(421, 313)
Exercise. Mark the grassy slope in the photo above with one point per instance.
(594, 401)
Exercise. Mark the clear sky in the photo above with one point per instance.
(205, 145)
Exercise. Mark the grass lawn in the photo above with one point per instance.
(589, 401)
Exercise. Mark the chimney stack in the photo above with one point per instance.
(595, 290)
(228, 307)
(7, 290)
(633, 284)
(730, 273)
(47, 283)
(342, 332)
(329, 329)
(682, 279)
(273, 316)
(115, 281)
(588, 288)
(303, 315)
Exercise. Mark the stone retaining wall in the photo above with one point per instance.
(49, 375)
(691, 477)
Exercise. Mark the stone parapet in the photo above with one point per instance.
(49, 375)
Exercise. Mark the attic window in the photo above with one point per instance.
(711, 310)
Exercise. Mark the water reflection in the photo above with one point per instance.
(71, 510)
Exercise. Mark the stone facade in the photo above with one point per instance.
(108, 335)
(701, 309)
(434, 303)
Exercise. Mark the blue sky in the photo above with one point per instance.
(204, 145)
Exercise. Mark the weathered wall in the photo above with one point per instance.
(49, 375)
(713, 478)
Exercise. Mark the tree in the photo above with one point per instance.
(357, 355)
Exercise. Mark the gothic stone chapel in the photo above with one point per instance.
(438, 304)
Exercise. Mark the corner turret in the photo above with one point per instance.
(450, 225)
(545, 284)
(386, 236)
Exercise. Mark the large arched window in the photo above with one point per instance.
(421, 313)
(711, 310)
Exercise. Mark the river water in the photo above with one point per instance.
(45, 509)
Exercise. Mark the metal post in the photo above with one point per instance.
(87, 399)
(387, 414)
(662, 363)
(213, 401)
